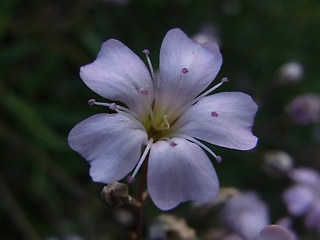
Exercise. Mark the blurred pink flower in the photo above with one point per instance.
(246, 214)
(303, 198)
(305, 109)
(164, 116)
(274, 232)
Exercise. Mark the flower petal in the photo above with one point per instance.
(298, 198)
(111, 143)
(224, 119)
(246, 214)
(306, 176)
(312, 219)
(202, 62)
(275, 232)
(119, 74)
(180, 171)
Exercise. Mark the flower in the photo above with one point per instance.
(270, 232)
(246, 214)
(274, 232)
(305, 109)
(165, 116)
(291, 72)
(303, 198)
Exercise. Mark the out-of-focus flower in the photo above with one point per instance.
(274, 232)
(246, 214)
(286, 222)
(277, 163)
(207, 33)
(164, 116)
(271, 232)
(305, 109)
(291, 72)
(303, 198)
(124, 217)
(168, 227)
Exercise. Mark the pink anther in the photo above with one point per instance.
(214, 114)
(113, 106)
(146, 51)
(219, 159)
(224, 80)
(91, 102)
(130, 179)
(185, 70)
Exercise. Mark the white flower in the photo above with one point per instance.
(164, 116)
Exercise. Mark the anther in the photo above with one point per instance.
(144, 91)
(130, 179)
(214, 114)
(219, 159)
(173, 144)
(91, 102)
(224, 80)
(146, 51)
(185, 70)
(113, 106)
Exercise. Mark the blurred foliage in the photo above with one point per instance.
(45, 186)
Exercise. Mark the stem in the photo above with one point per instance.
(142, 186)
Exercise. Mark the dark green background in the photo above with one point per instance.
(45, 186)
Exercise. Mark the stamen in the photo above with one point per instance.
(119, 109)
(191, 139)
(146, 52)
(91, 102)
(223, 80)
(144, 91)
(197, 99)
(185, 70)
(131, 178)
(166, 121)
(219, 159)
(113, 106)
(214, 114)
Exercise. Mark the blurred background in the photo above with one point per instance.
(270, 49)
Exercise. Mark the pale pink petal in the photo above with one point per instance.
(179, 171)
(275, 232)
(186, 69)
(312, 219)
(298, 198)
(111, 143)
(224, 119)
(246, 214)
(119, 74)
(306, 176)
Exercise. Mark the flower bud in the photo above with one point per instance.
(116, 194)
